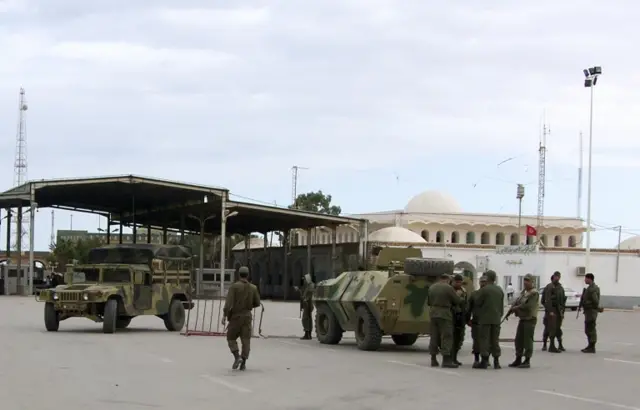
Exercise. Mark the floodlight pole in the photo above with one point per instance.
(201, 256)
(519, 196)
(591, 75)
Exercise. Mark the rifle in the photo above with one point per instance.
(580, 304)
(514, 306)
(509, 313)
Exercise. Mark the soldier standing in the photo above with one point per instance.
(306, 306)
(472, 321)
(490, 302)
(526, 309)
(459, 315)
(242, 298)
(441, 300)
(590, 303)
(554, 300)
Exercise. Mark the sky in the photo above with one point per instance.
(380, 100)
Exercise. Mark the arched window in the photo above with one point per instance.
(471, 237)
(425, 235)
(485, 238)
(439, 237)
(572, 241)
(557, 241)
(515, 239)
(455, 237)
(543, 239)
(530, 240)
(499, 238)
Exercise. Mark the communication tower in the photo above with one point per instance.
(542, 150)
(294, 184)
(20, 167)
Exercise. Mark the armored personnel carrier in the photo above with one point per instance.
(391, 300)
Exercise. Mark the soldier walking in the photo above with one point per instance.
(306, 306)
(490, 302)
(242, 298)
(472, 321)
(459, 315)
(590, 304)
(441, 300)
(553, 299)
(526, 309)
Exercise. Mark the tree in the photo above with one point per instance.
(316, 202)
(65, 251)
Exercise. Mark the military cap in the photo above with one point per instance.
(490, 275)
(458, 276)
(528, 277)
(243, 270)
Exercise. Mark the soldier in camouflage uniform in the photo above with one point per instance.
(490, 302)
(459, 315)
(553, 299)
(441, 300)
(306, 306)
(242, 298)
(472, 321)
(590, 304)
(525, 308)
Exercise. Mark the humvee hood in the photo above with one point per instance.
(86, 286)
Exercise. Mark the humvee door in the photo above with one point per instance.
(142, 291)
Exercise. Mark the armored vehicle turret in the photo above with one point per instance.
(389, 300)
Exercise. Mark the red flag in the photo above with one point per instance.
(531, 231)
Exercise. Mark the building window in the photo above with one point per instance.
(455, 237)
(425, 235)
(515, 239)
(530, 240)
(543, 239)
(572, 241)
(499, 238)
(557, 241)
(485, 238)
(471, 237)
(339, 238)
(506, 280)
(440, 237)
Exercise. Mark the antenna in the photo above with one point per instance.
(20, 167)
(53, 227)
(579, 204)
(294, 184)
(542, 151)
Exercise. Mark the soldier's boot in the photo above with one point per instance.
(434, 361)
(243, 363)
(516, 362)
(454, 359)
(525, 364)
(544, 344)
(307, 336)
(552, 347)
(591, 348)
(484, 363)
(496, 363)
(236, 360)
(560, 346)
(447, 362)
(476, 359)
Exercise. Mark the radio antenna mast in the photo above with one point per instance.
(294, 184)
(53, 227)
(542, 151)
(20, 168)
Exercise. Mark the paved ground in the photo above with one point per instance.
(146, 367)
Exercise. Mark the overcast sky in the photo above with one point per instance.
(379, 99)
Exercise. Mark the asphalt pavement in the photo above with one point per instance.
(147, 367)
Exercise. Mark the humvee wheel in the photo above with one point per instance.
(404, 339)
(368, 333)
(427, 267)
(328, 330)
(51, 318)
(174, 320)
(123, 321)
(110, 316)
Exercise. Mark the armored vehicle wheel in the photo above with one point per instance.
(328, 330)
(110, 316)
(404, 339)
(51, 319)
(368, 333)
(123, 322)
(174, 320)
(427, 267)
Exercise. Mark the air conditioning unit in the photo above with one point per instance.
(581, 271)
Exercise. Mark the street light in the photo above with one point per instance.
(590, 80)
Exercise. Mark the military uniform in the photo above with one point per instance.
(242, 298)
(526, 309)
(441, 300)
(490, 302)
(306, 305)
(459, 322)
(590, 302)
(553, 300)
(472, 320)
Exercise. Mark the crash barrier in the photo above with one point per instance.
(200, 319)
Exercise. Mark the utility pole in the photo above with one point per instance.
(542, 160)
(519, 196)
(579, 201)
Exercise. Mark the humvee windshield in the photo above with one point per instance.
(109, 275)
(85, 275)
(119, 275)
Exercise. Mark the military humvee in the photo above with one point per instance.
(121, 282)
(391, 300)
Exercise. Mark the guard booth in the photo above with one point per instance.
(9, 279)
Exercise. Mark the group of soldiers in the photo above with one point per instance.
(451, 309)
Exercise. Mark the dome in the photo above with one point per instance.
(397, 235)
(257, 243)
(630, 243)
(433, 202)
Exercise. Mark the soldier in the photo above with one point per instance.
(590, 304)
(459, 315)
(490, 302)
(554, 300)
(242, 298)
(526, 308)
(441, 300)
(472, 321)
(306, 306)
